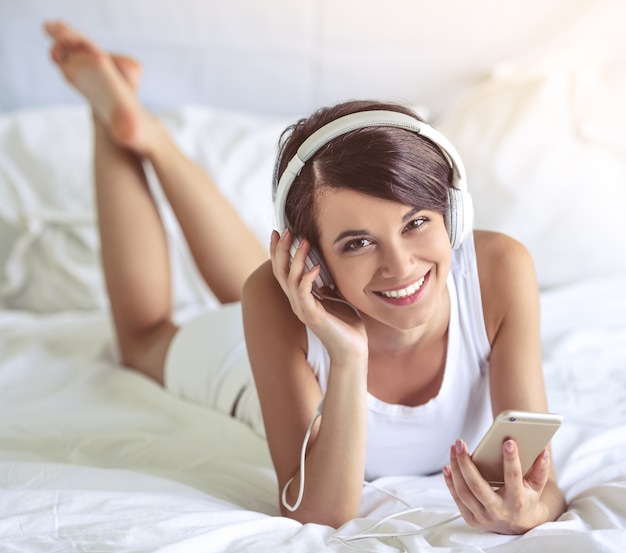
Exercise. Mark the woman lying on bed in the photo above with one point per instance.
(420, 330)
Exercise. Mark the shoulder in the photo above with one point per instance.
(262, 295)
(495, 250)
(260, 281)
(507, 277)
(269, 321)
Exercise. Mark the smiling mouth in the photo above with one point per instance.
(404, 292)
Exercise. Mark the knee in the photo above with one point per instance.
(146, 351)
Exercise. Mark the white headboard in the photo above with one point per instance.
(289, 57)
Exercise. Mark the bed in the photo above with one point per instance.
(97, 458)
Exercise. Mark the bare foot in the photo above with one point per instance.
(108, 82)
(129, 68)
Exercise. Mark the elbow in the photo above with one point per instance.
(329, 515)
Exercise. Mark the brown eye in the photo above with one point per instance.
(357, 244)
(416, 223)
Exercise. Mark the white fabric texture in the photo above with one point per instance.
(520, 131)
(49, 244)
(403, 440)
(207, 363)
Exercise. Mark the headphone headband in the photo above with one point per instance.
(364, 119)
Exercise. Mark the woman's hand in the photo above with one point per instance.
(516, 507)
(334, 322)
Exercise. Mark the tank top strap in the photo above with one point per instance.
(472, 319)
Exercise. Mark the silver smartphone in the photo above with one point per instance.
(531, 431)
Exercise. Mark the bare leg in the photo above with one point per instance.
(134, 248)
(134, 257)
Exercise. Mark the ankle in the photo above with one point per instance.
(123, 127)
(158, 140)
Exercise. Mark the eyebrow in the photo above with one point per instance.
(361, 232)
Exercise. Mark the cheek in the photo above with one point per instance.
(437, 247)
(350, 277)
(342, 278)
(440, 255)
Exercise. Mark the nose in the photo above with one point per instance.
(396, 260)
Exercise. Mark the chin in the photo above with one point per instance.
(406, 321)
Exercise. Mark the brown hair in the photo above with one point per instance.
(384, 162)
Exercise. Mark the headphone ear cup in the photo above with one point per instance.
(323, 279)
(313, 258)
(460, 215)
(455, 218)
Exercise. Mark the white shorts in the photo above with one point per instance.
(207, 363)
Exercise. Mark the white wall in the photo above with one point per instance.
(289, 57)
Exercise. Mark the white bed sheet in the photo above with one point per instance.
(94, 457)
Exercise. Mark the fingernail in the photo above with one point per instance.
(460, 447)
(509, 446)
(545, 457)
(447, 471)
(453, 452)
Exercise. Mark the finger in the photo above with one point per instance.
(279, 251)
(512, 467)
(307, 282)
(304, 274)
(480, 488)
(295, 277)
(467, 480)
(298, 252)
(284, 243)
(274, 237)
(537, 476)
(467, 514)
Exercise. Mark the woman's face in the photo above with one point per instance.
(387, 259)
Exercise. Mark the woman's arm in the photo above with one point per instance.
(289, 393)
(510, 298)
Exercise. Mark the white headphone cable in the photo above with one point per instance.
(366, 534)
(387, 493)
(305, 442)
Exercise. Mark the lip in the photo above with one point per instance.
(406, 300)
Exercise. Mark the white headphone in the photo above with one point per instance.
(460, 214)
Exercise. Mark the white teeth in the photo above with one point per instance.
(404, 292)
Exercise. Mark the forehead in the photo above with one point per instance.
(343, 209)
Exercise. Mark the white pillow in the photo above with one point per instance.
(49, 251)
(546, 163)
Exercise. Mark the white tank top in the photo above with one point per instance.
(403, 440)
